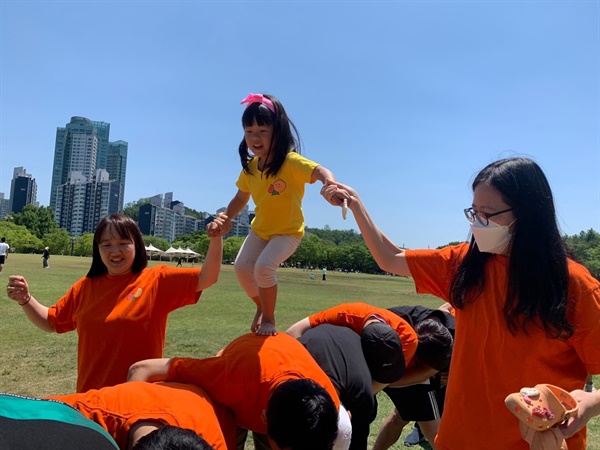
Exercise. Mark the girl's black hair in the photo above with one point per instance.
(285, 137)
(538, 275)
(125, 228)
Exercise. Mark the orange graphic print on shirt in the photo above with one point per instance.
(277, 187)
(134, 296)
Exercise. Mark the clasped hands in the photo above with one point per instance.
(219, 226)
(335, 193)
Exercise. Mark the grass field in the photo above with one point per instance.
(37, 364)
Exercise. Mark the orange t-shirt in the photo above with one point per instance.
(121, 319)
(118, 408)
(355, 315)
(247, 371)
(488, 362)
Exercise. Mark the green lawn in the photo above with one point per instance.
(36, 363)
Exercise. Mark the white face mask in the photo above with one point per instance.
(491, 239)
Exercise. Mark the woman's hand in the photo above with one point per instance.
(335, 193)
(589, 406)
(18, 289)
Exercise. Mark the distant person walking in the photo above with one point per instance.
(179, 262)
(324, 273)
(46, 257)
(3, 252)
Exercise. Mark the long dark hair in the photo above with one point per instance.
(537, 269)
(125, 228)
(285, 137)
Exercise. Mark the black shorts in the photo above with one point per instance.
(2, 259)
(419, 402)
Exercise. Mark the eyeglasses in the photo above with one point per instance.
(483, 218)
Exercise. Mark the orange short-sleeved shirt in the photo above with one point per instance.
(121, 319)
(488, 362)
(118, 408)
(247, 371)
(355, 315)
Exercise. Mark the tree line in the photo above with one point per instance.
(34, 228)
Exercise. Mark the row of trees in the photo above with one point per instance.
(34, 228)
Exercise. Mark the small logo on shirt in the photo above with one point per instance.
(277, 187)
(134, 296)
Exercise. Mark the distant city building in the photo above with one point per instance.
(165, 218)
(23, 190)
(157, 221)
(4, 206)
(116, 164)
(81, 204)
(83, 147)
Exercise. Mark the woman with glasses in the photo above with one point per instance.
(525, 313)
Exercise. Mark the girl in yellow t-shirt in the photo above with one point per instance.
(273, 174)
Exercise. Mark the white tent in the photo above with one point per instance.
(151, 250)
(172, 251)
(189, 252)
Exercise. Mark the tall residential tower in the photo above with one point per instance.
(82, 148)
(23, 190)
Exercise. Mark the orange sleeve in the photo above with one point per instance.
(432, 270)
(61, 315)
(351, 315)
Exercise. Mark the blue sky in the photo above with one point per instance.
(405, 101)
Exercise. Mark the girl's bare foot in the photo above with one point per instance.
(257, 320)
(266, 329)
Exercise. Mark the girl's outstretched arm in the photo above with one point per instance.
(237, 203)
(325, 176)
(388, 255)
(321, 174)
(222, 224)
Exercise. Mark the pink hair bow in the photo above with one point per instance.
(258, 98)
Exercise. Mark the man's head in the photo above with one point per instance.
(435, 344)
(382, 349)
(172, 438)
(3, 239)
(301, 415)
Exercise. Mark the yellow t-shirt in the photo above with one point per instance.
(278, 199)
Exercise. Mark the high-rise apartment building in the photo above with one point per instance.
(82, 148)
(116, 163)
(81, 203)
(4, 206)
(23, 190)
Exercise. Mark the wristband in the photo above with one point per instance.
(26, 301)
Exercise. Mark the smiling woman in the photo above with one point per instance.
(525, 311)
(120, 307)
